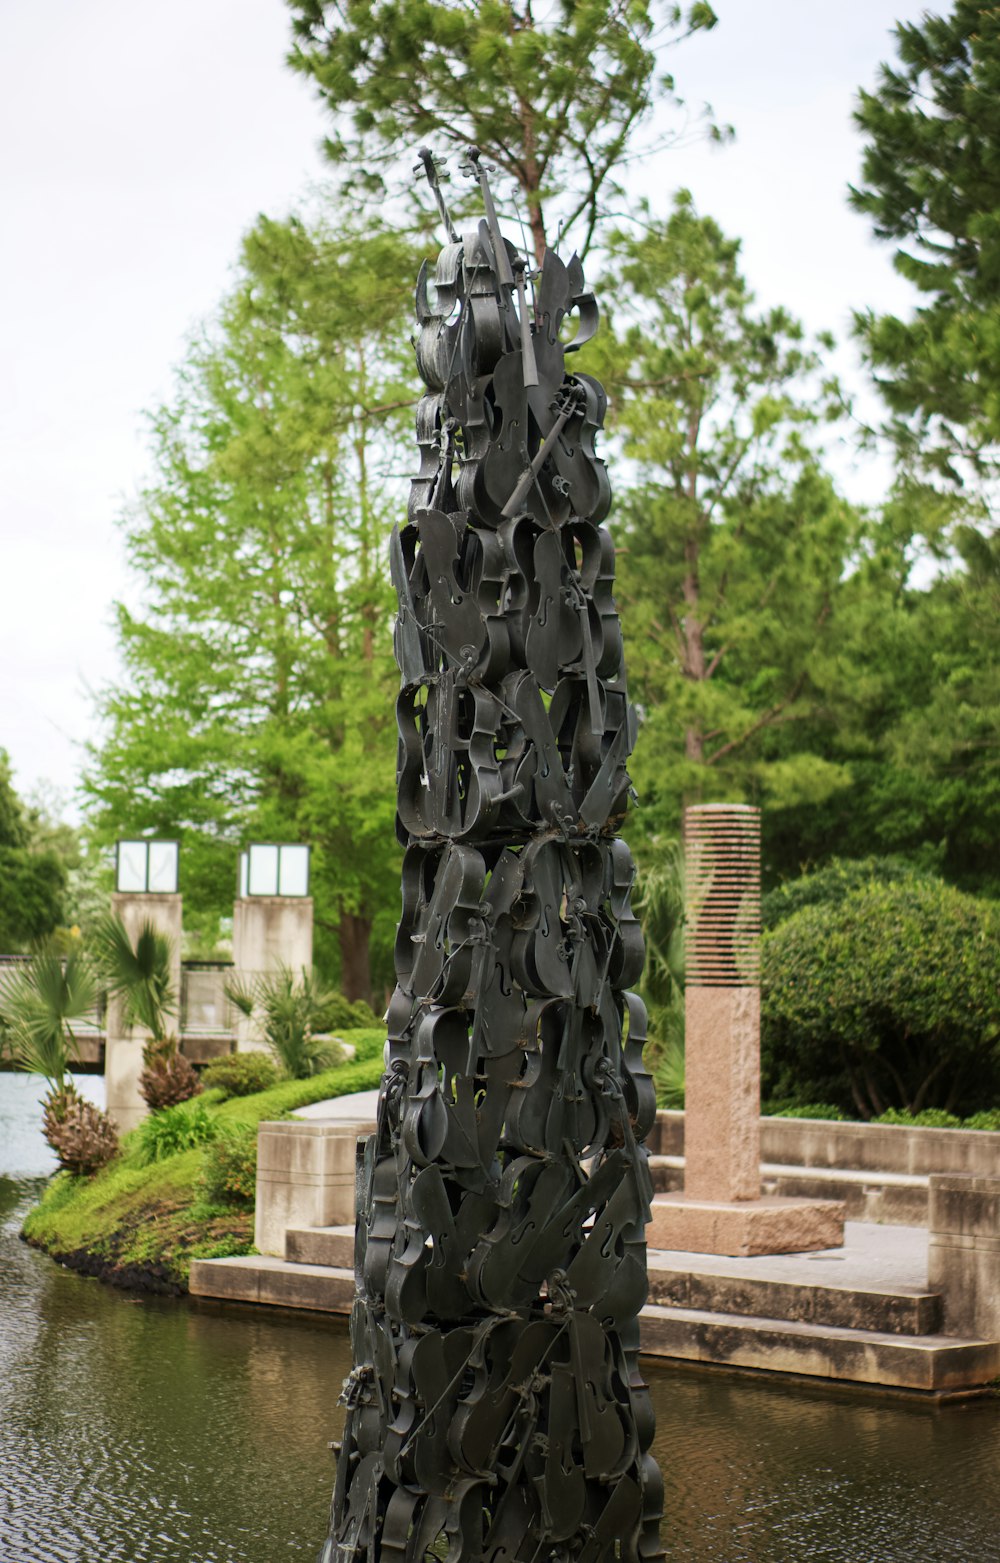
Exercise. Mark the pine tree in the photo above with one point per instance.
(553, 97)
(931, 185)
(732, 539)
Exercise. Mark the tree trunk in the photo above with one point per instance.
(354, 935)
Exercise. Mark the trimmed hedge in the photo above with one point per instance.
(831, 884)
(240, 1074)
(889, 998)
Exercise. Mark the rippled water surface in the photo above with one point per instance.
(162, 1431)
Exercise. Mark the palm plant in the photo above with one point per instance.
(291, 1010)
(139, 976)
(38, 1004)
(660, 908)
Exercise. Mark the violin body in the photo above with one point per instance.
(496, 1413)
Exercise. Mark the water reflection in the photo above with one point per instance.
(164, 1431)
(776, 1474)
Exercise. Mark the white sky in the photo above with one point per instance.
(137, 143)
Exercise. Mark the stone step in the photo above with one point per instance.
(321, 1246)
(923, 1362)
(896, 1198)
(263, 1278)
(896, 1311)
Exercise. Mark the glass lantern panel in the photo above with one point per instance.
(132, 867)
(294, 871)
(244, 875)
(163, 867)
(263, 874)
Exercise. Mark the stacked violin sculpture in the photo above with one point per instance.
(495, 1412)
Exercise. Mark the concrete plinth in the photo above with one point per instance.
(963, 1257)
(742, 1228)
(124, 1044)
(269, 931)
(305, 1178)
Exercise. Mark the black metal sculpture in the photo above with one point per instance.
(495, 1413)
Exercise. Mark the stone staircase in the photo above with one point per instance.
(317, 1273)
(865, 1313)
(872, 1322)
(782, 1314)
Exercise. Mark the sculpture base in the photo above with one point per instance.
(740, 1228)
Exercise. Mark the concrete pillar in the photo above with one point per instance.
(269, 931)
(124, 1044)
(963, 1259)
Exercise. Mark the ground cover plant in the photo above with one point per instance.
(139, 1223)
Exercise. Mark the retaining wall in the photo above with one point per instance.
(866, 1147)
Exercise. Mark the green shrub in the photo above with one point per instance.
(292, 1012)
(229, 1169)
(990, 1119)
(822, 1110)
(930, 1118)
(240, 1074)
(367, 1044)
(339, 1014)
(828, 886)
(888, 998)
(174, 1129)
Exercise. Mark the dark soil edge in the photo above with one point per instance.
(151, 1279)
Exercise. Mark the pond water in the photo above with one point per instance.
(172, 1431)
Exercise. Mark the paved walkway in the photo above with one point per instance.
(359, 1107)
(872, 1257)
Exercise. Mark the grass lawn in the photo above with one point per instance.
(140, 1225)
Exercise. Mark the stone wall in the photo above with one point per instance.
(867, 1147)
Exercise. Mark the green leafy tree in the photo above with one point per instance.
(911, 713)
(553, 96)
(732, 541)
(33, 870)
(931, 185)
(259, 687)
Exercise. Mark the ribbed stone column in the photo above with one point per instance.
(722, 1002)
(722, 1210)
